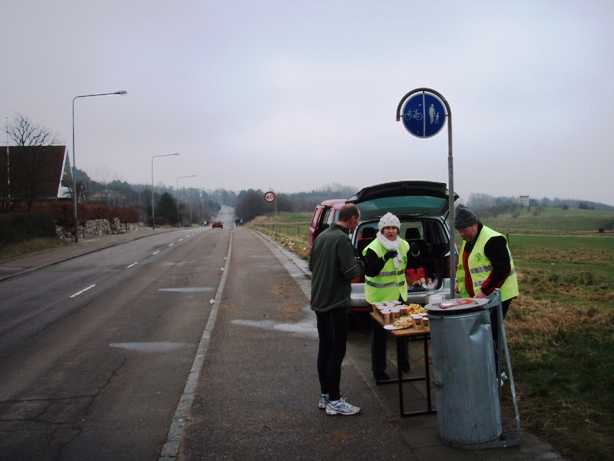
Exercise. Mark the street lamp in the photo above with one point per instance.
(74, 165)
(153, 213)
(180, 177)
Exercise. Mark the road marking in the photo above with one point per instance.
(171, 244)
(132, 265)
(82, 291)
(170, 450)
(156, 252)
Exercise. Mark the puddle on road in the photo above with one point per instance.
(305, 327)
(187, 290)
(163, 346)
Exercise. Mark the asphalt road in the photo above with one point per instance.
(95, 351)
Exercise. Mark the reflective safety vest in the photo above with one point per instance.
(480, 267)
(390, 283)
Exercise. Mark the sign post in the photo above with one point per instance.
(270, 197)
(424, 112)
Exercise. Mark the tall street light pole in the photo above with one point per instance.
(74, 165)
(153, 201)
(180, 177)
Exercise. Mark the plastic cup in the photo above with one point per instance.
(417, 318)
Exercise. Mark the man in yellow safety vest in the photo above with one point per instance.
(485, 264)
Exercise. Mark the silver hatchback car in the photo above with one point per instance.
(422, 207)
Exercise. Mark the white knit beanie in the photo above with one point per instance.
(389, 220)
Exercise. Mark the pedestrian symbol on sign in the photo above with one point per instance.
(423, 115)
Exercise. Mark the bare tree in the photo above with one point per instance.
(29, 160)
(102, 176)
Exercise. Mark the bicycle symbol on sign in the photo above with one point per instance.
(413, 113)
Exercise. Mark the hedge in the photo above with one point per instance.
(19, 227)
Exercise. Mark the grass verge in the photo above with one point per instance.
(31, 246)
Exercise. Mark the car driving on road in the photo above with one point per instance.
(219, 224)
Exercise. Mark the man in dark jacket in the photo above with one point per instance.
(333, 266)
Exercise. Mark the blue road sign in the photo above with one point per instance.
(424, 115)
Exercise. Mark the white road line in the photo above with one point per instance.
(181, 240)
(132, 265)
(171, 244)
(170, 450)
(82, 291)
(156, 252)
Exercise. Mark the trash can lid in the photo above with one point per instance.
(456, 306)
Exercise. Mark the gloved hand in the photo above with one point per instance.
(390, 254)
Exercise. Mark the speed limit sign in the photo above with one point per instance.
(269, 197)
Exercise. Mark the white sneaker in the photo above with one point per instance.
(341, 407)
(323, 401)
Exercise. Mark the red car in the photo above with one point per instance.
(324, 215)
(219, 224)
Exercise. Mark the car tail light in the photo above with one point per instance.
(360, 279)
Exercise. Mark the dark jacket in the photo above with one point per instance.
(333, 266)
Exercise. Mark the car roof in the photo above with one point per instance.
(336, 203)
(403, 198)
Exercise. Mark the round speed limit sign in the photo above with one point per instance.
(269, 197)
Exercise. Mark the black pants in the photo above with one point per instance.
(333, 333)
(378, 349)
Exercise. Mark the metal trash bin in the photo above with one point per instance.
(464, 374)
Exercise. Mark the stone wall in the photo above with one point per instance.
(99, 227)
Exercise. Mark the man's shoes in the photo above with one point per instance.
(323, 401)
(381, 375)
(341, 407)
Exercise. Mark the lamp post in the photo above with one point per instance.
(153, 201)
(180, 177)
(74, 165)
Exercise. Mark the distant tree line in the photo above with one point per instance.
(490, 206)
(251, 203)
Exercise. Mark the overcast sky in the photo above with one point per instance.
(296, 95)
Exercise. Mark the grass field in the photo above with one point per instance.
(560, 329)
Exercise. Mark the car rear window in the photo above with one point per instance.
(415, 204)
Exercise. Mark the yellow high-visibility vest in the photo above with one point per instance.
(390, 283)
(480, 267)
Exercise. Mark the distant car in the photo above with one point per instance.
(219, 224)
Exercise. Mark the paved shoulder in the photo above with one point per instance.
(258, 392)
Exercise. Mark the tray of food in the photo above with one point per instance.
(401, 323)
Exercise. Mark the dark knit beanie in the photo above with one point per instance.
(464, 217)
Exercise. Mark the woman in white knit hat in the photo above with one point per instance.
(385, 264)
